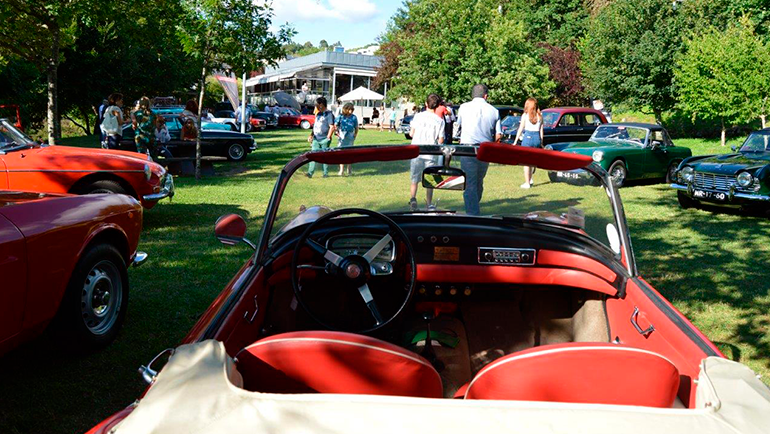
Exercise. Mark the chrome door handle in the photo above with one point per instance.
(646, 332)
(254, 315)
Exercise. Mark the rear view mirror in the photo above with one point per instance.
(443, 178)
(656, 144)
(230, 229)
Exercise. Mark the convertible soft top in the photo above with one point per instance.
(198, 392)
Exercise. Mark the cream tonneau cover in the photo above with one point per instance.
(196, 392)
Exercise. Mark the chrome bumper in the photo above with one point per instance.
(730, 195)
(139, 258)
(166, 190)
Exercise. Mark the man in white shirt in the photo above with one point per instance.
(479, 122)
(427, 128)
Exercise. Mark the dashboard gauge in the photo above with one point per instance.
(346, 245)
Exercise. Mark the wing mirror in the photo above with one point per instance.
(734, 148)
(230, 229)
(443, 178)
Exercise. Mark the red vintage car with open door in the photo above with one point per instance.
(358, 314)
(63, 262)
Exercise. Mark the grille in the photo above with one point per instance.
(720, 182)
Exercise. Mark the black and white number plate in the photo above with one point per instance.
(712, 196)
(567, 175)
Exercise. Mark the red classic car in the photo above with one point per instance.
(379, 318)
(289, 117)
(30, 166)
(63, 262)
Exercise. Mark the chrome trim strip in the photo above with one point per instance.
(748, 196)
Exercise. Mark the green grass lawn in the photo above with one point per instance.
(711, 265)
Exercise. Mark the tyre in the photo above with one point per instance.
(305, 125)
(671, 172)
(552, 176)
(96, 299)
(233, 127)
(105, 186)
(685, 201)
(618, 173)
(236, 152)
(408, 136)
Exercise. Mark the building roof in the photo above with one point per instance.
(288, 68)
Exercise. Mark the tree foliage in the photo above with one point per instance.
(229, 33)
(447, 47)
(724, 75)
(564, 70)
(629, 52)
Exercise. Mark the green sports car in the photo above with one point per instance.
(628, 151)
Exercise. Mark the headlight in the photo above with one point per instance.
(686, 174)
(597, 156)
(745, 179)
(147, 172)
(549, 147)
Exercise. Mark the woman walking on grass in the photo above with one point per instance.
(346, 126)
(531, 134)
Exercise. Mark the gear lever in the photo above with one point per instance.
(428, 353)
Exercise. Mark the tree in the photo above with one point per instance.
(447, 47)
(229, 32)
(724, 75)
(36, 31)
(629, 51)
(564, 70)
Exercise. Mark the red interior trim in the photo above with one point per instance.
(523, 156)
(564, 259)
(516, 275)
(358, 155)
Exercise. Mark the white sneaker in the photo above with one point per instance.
(531, 182)
(525, 185)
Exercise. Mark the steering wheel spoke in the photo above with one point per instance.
(377, 248)
(327, 254)
(366, 294)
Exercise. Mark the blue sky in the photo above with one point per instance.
(354, 23)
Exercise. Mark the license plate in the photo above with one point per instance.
(709, 195)
(568, 175)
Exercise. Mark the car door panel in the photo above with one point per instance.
(13, 275)
(3, 174)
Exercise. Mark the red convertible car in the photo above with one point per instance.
(358, 314)
(289, 117)
(63, 263)
(30, 166)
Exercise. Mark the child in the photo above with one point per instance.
(321, 136)
(161, 131)
(189, 132)
(346, 126)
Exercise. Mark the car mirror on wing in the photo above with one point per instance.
(443, 178)
(230, 230)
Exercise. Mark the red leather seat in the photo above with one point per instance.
(336, 362)
(592, 373)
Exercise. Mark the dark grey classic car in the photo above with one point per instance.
(740, 179)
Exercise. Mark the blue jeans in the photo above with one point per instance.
(318, 145)
(475, 171)
(531, 139)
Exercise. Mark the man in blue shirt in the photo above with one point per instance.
(321, 136)
(479, 123)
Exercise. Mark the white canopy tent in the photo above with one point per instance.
(361, 94)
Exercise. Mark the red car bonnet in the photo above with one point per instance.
(523, 156)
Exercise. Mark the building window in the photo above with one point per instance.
(342, 85)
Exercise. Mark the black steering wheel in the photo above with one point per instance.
(356, 280)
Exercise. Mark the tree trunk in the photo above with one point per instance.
(763, 118)
(724, 139)
(658, 116)
(86, 119)
(202, 84)
(53, 121)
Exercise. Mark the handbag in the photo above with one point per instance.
(110, 123)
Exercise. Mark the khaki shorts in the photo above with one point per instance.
(419, 164)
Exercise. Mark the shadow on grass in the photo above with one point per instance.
(705, 272)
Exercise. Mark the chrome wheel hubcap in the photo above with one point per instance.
(618, 175)
(101, 297)
(236, 152)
